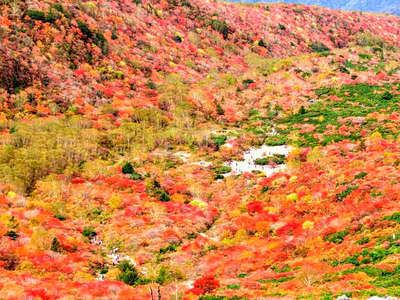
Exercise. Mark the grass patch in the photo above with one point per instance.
(395, 217)
(337, 237)
(277, 280)
(276, 158)
(353, 101)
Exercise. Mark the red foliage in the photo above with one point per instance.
(255, 207)
(205, 285)
(77, 180)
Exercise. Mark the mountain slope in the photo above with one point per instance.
(123, 127)
(145, 40)
(388, 6)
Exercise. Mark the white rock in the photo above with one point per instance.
(249, 157)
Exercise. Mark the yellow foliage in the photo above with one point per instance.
(199, 203)
(11, 195)
(246, 254)
(25, 266)
(272, 245)
(271, 209)
(308, 225)
(277, 182)
(178, 198)
(115, 201)
(8, 220)
(113, 274)
(375, 137)
(357, 164)
(40, 239)
(82, 276)
(95, 168)
(267, 66)
(292, 197)
(389, 157)
(241, 235)
(234, 213)
(307, 198)
(314, 155)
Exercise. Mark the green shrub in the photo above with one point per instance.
(360, 175)
(220, 26)
(97, 37)
(364, 240)
(318, 47)
(60, 217)
(276, 158)
(55, 245)
(84, 28)
(212, 297)
(109, 73)
(262, 43)
(136, 176)
(223, 170)
(101, 42)
(220, 110)
(219, 140)
(12, 234)
(247, 82)
(114, 34)
(163, 196)
(276, 140)
(156, 190)
(342, 195)
(276, 280)
(89, 232)
(51, 16)
(262, 161)
(163, 276)
(394, 217)
(233, 286)
(36, 15)
(170, 248)
(127, 168)
(177, 38)
(283, 269)
(387, 96)
(128, 274)
(151, 85)
(337, 237)
(58, 7)
(367, 39)
(302, 110)
(166, 275)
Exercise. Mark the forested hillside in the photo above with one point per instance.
(191, 149)
(383, 6)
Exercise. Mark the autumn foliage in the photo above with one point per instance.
(121, 123)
